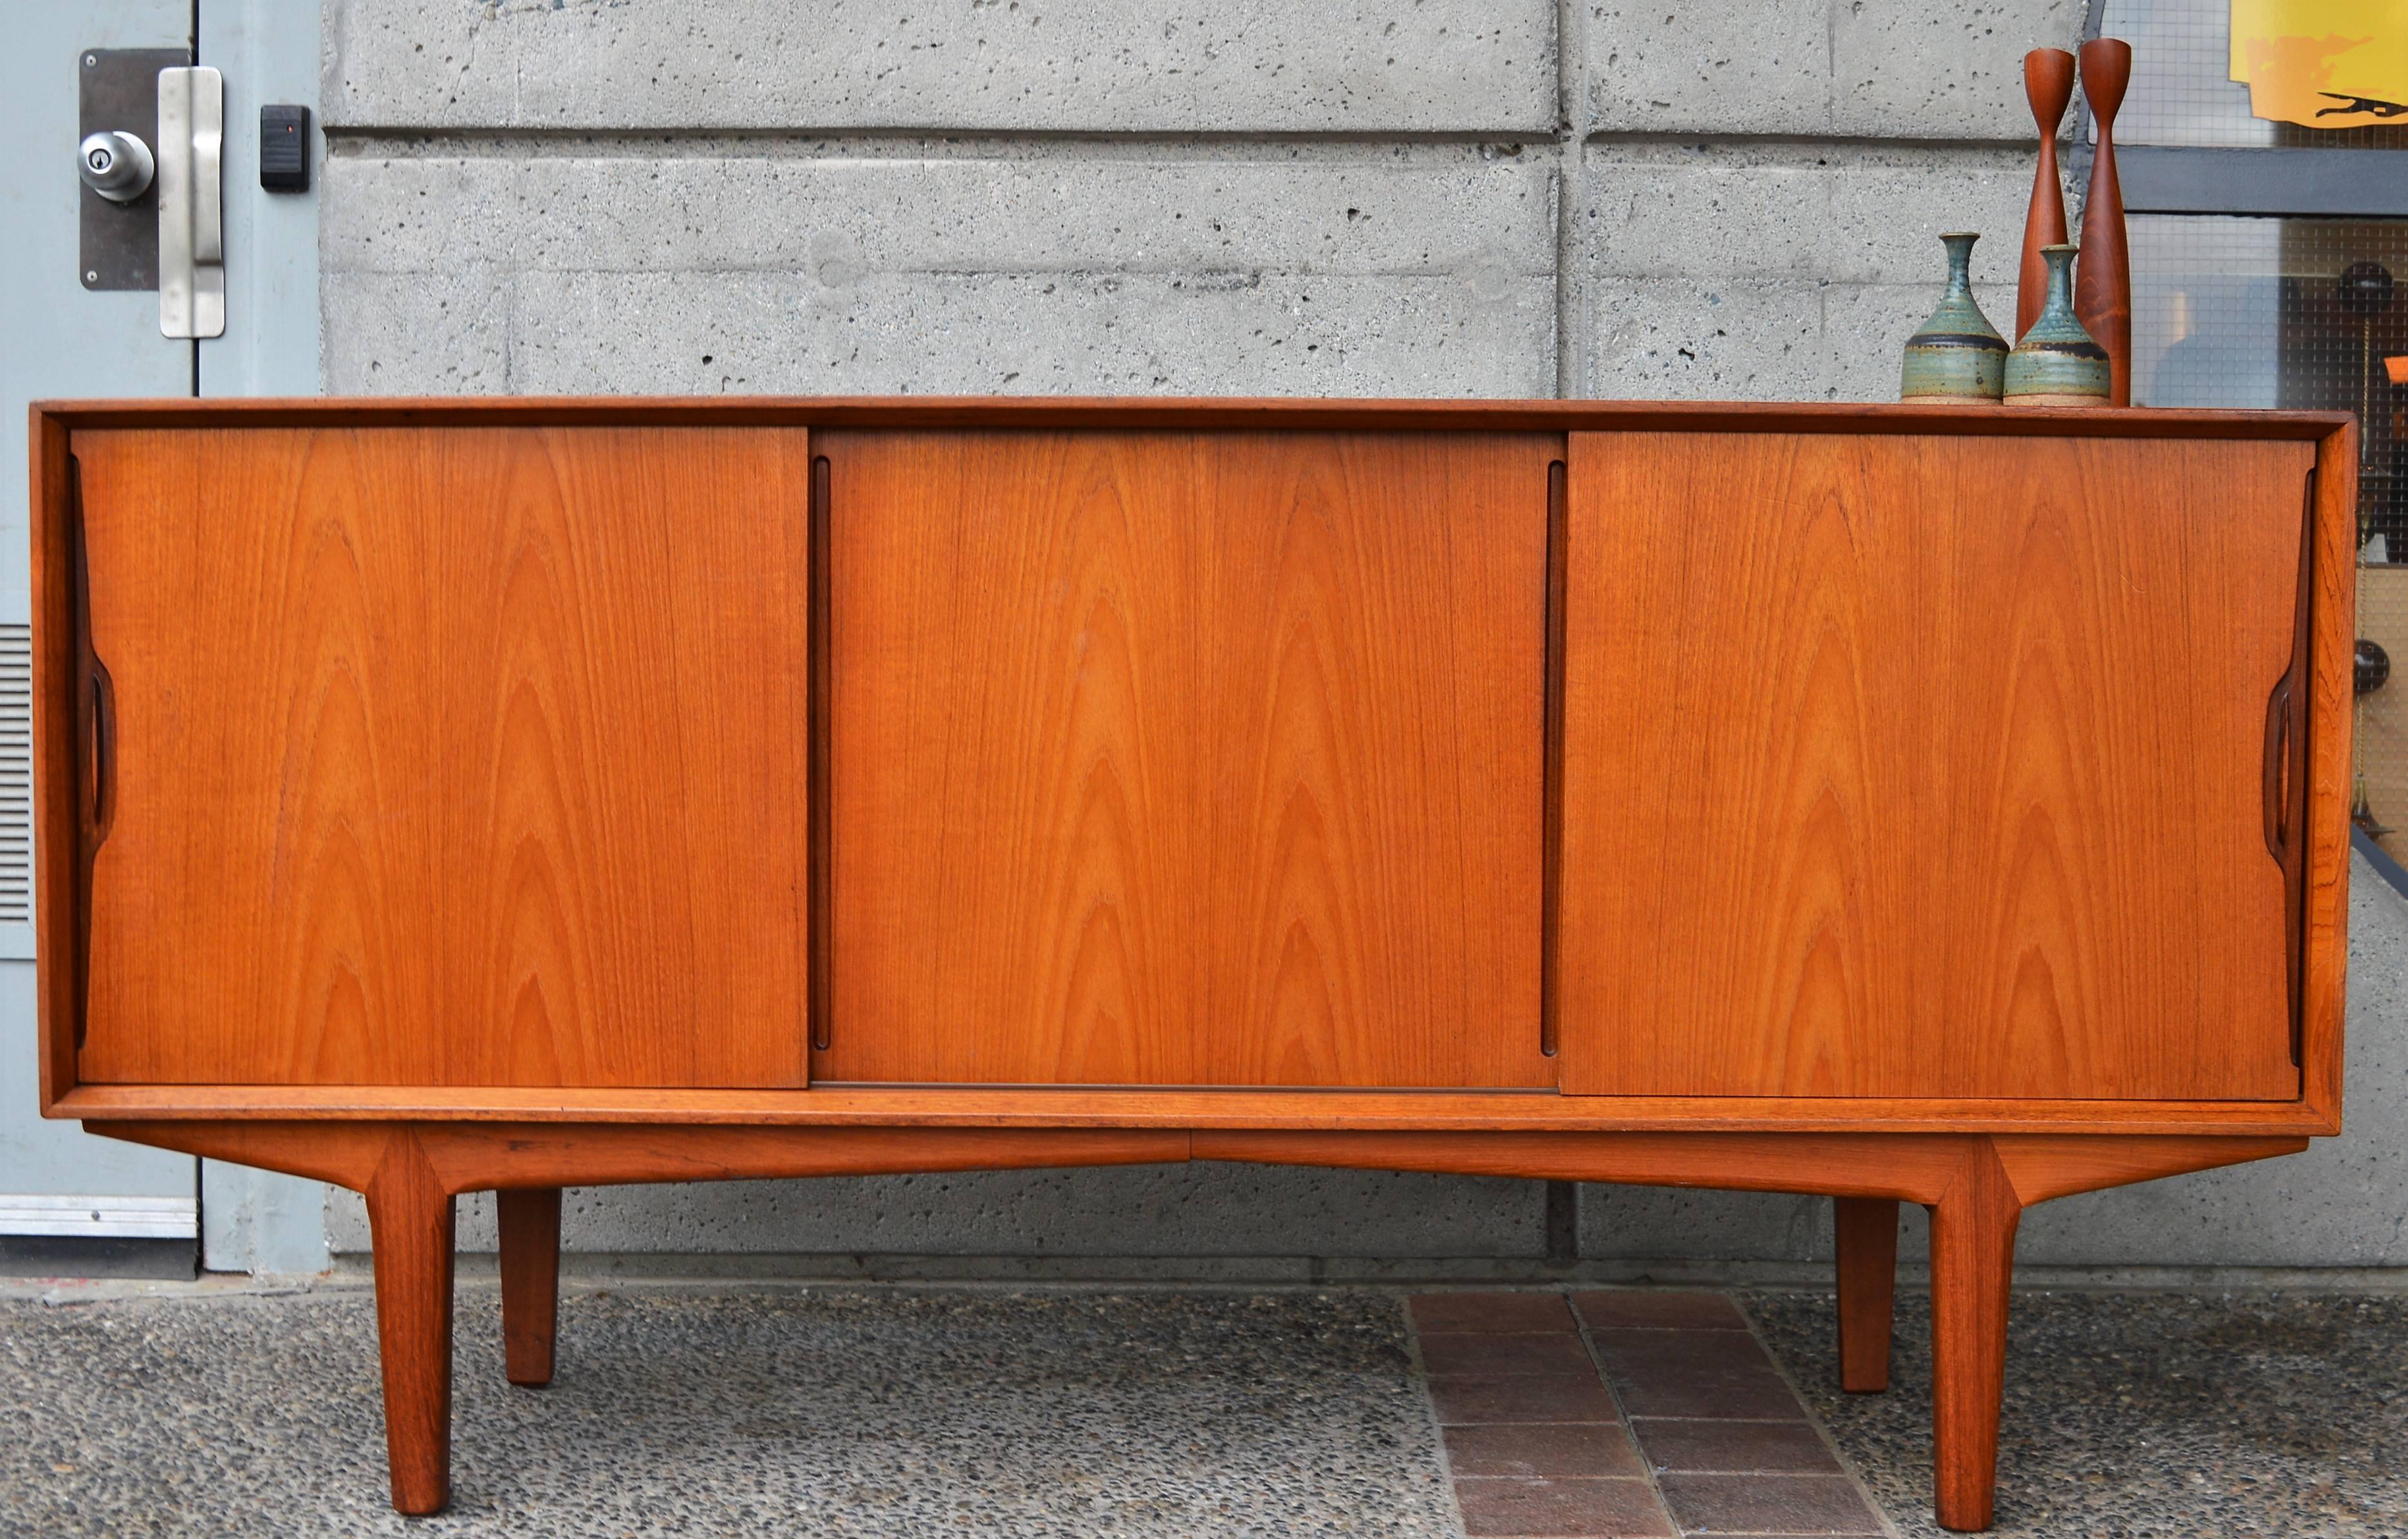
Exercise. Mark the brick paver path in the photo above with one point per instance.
(1599, 1415)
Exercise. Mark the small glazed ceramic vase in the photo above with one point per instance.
(2057, 363)
(1956, 355)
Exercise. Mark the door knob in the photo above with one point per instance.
(116, 165)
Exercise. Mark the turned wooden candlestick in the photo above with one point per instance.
(2048, 85)
(2102, 284)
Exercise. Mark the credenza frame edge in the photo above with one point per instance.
(1212, 412)
(466, 1156)
(1182, 1108)
(2332, 676)
(2317, 1112)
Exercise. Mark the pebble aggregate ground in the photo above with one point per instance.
(696, 1410)
(2145, 1415)
(686, 1412)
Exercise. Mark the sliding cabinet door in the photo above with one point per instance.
(1929, 767)
(1203, 759)
(444, 757)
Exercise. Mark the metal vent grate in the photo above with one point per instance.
(16, 774)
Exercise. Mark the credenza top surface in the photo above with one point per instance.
(1193, 412)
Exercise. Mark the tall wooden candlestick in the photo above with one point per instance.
(2103, 284)
(2048, 85)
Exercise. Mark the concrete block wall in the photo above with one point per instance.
(940, 268)
(1729, 199)
(1474, 197)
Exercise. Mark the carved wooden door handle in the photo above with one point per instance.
(2276, 772)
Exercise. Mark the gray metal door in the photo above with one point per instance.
(82, 314)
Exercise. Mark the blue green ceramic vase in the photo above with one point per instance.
(2057, 363)
(1956, 355)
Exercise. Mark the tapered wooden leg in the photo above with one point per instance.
(410, 1226)
(1972, 1262)
(530, 1282)
(1867, 1233)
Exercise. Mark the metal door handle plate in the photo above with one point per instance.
(192, 230)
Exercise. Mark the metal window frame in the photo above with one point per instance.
(2288, 183)
(2276, 182)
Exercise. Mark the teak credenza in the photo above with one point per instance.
(1895, 803)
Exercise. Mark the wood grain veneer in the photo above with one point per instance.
(527, 1221)
(1864, 1245)
(412, 1231)
(470, 757)
(1972, 1266)
(2032, 676)
(1173, 1106)
(532, 1157)
(1891, 803)
(1187, 759)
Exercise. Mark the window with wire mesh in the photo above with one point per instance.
(2306, 313)
(2284, 312)
(2183, 93)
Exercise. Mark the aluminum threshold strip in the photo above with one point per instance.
(110, 1217)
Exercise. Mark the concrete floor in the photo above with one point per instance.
(202, 1410)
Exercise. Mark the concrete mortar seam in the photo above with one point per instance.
(1620, 1412)
(1893, 143)
(402, 141)
(1001, 145)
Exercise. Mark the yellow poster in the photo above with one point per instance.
(2324, 63)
